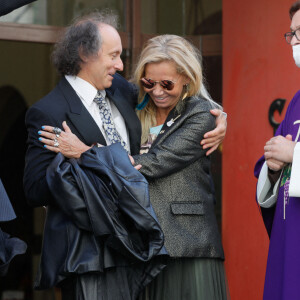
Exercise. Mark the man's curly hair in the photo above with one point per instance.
(82, 38)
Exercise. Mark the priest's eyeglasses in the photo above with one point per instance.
(289, 35)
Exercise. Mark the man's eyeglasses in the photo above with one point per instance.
(149, 83)
(289, 35)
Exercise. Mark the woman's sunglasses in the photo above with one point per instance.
(149, 83)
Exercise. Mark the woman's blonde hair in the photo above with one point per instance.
(187, 61)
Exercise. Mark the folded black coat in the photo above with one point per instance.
(9, 246)
(101, 218)
(7, 6)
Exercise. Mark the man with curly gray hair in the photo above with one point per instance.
(88, 55)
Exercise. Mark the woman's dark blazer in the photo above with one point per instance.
(178, 172)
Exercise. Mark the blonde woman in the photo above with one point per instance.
(174, 110)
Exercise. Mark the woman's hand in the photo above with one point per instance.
(66, 142)
(214, 138)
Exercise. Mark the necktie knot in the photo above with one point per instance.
(99, 99)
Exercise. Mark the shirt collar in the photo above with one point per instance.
(83, 88)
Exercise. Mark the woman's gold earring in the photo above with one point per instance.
(186, 89)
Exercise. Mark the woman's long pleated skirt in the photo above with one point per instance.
(189, 279)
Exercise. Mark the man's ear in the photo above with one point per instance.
(83, 57)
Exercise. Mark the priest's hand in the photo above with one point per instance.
(280, 148)
(275, 165)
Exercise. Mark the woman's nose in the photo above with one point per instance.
(158, 90)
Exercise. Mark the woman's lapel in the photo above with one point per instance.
(169, 125)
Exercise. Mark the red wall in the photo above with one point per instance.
(257, 68)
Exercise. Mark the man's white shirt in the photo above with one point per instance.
(86, 92)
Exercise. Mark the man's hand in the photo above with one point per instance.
(275, 165)
(214, 138)
(280, 148)
(68, 143)
(137, 167)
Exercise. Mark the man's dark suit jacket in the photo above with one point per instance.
(7, 6)
(63, 104)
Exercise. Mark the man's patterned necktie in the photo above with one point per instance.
(107, 121)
